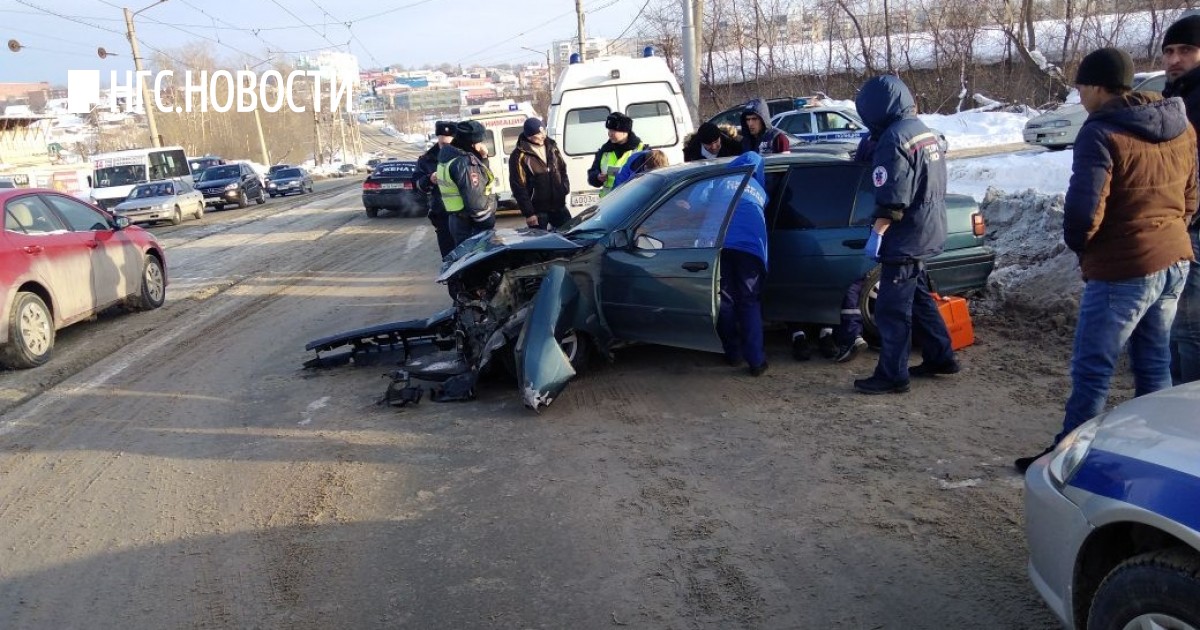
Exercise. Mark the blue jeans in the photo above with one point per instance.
(1185, 334)
(739, 322)
(1139, 312)
(905, 303)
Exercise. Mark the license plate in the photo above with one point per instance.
(392, 186)
(585, 199)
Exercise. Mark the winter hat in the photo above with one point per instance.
(1110, 68)
(1183, 31)
(619, 122)
(469, 131)
(444, 128)
(533, 127)
(708, 133)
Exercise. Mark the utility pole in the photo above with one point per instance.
(147, 102)
(691, 89)
(579, 17)
(342, 133)
(317, 157)
(262, 141)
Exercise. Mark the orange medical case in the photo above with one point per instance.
(958, 320)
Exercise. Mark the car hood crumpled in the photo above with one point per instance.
(488, 246)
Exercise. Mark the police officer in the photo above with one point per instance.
(427, 183)
(466, 182)
(622, 143)
(909, 173)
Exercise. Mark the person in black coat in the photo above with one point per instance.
(537, 175)
(710, 142)
(425, 182)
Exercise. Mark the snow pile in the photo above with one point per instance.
(972, 129)
(1035, 271)
(1043, 172)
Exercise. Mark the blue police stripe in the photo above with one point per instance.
(1165, 491)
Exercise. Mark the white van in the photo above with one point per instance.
(585, 94)
(115, 174)
(504, 121)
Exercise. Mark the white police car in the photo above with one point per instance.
(1112, 517)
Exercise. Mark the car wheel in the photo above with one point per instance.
(218, 207)
(1160, 589)
(243, 200)
(272, 195)
(372, 212)
(867, 296)
(262, 197)
(577, 348)
(30, 333)
(177, 217)
(1056, 147)
(154, 285)
(199, 214)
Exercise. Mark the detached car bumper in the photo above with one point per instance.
(1055, 529)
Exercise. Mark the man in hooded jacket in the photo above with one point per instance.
(537, 176)
(758, 134)
(1181, 61)
(1132, 194)
(622, 143)
(909, 174)
(710, 142)
(466, 182)
(744, 270)
(426, 182)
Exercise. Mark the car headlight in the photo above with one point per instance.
(1073, 449)
(1058, 123)
(231, 187)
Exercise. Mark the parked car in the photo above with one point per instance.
(1057, 129)
(373, 162)
(808, 120)
(390, 187)
(164, 200)
(642, 266)
(732, 117)
(1112, 517)
(63, 261)
(290, 180)
(231, 184)
(347, 170)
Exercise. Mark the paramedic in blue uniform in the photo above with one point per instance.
(909, 173)
(743, 271)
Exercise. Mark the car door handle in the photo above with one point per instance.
(34, 249)
(695, 266)
(856, 243)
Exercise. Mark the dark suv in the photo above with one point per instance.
(230, 184)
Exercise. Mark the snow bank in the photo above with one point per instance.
(969, 130)
(1042, 172)
(1036, 274)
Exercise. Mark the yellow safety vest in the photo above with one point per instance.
(451, 197)
(609, 159)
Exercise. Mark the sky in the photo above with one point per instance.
(410, 32)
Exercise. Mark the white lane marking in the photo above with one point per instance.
(313, 407)
(415, 239)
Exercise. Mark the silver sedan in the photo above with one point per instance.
(1112, 517)
(167, 200)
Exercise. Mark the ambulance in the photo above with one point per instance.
(643, 88)
(503, 121)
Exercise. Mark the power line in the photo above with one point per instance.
(310, 27)
(217, 31)
(59, 39)
(393, 10)
(631, 23)
(69, 18)
(532, 28)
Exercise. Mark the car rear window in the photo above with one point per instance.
(395, 169)
(654, 123)
(584, 132)
(817, 197)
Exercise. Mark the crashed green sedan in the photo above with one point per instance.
(643, 267)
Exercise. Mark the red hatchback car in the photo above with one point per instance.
(62, 261)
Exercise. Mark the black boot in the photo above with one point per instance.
(1023, 463)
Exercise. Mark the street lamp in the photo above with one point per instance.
(549, 71)
(147, 102)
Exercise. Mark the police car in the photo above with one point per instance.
(822, 124)
(1112, 517)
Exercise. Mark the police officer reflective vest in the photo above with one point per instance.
(611, 164)
(451, 197)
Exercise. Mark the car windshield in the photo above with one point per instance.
(120, 175)
(152, 190)
(287, 172)
(617, 205)
(219, 172)
(348, 167)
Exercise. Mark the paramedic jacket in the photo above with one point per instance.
(908, 171)
(747, 231)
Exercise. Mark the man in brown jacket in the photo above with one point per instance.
(1131, 196)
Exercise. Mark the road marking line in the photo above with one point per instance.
(313, 407)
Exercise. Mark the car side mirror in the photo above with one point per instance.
(645, 241)
(619, 239)
(122, 222)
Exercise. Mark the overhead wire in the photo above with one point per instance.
(535, 27)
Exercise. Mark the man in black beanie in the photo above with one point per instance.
(710, 142)
(1181, 61)
(426, 182)
(622, 143)
(466, 182)
(1131, 196)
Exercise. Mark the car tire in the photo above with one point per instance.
(243, 200)
(199, 214)
(867, 296)
(372, 212)
(1160, 588)
(153, 290)
(1056, 147)
(578, 349)
(218, 207)
(30, 333)
(273, 195)
(262, 197)
(177, 216)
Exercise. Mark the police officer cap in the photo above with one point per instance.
(470, 131)
(444, 127)
(619, 122)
